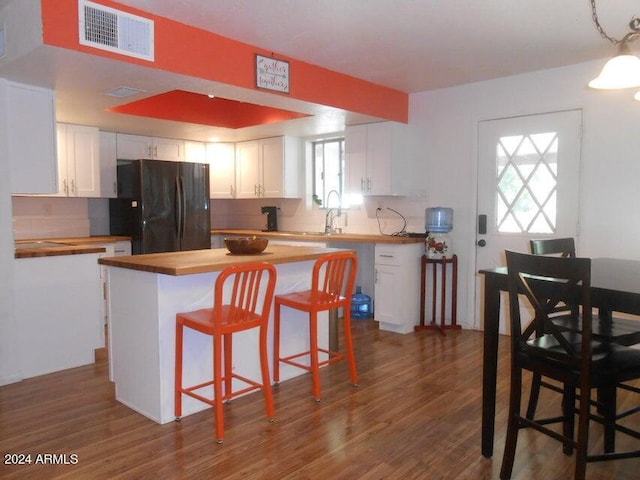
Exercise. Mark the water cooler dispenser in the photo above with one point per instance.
(438, 222)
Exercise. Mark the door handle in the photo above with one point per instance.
(482, 224)
(482, 243)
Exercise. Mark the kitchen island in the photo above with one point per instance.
(146, 292)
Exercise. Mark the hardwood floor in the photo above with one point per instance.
(415, 415)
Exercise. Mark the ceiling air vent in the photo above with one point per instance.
(110, 29)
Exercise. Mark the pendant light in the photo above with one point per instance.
(623, 70)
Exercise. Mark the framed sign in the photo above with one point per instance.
(272, 74)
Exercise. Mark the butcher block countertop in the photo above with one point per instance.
(211, 260)
(51, 247)
(334, 237)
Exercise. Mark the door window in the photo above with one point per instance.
(526, 183)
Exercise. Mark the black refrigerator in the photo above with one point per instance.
(163, 206)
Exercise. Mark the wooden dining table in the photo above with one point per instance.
(615, 287)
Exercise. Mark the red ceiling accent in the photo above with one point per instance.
(191, 51)
(181, 106)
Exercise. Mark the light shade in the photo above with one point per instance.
(622, 71)
(637, 96)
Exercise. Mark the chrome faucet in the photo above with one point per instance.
(328, 220)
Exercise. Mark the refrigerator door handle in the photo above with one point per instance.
(179, 203)
(183, 224)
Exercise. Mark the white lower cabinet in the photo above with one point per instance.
(397, 286)
(115, 249)
(58, 311)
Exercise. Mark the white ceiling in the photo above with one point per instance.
(409, 45)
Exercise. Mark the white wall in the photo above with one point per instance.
(447, 120)
(9, 367)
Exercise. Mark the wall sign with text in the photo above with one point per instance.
(272, 74)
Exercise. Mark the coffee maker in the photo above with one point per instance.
(272, 218)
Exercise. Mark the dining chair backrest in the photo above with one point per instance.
(243, 295)
(545, 282)
(565, 247)
(333, 278)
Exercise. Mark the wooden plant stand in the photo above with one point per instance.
(443, 262)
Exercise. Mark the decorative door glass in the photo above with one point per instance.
(526, 183)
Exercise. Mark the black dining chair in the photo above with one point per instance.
(575, 359)
(625, 331)
(563, 247)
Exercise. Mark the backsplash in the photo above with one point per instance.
(296, 215)
(53, 217)
(37, 217)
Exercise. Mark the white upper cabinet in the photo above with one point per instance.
(261, 166)
(108, 165)
(222, 170)
(134, 147)
(378, 160)
(195, 151)
(248, 169)
(78, 161)
(28, 113)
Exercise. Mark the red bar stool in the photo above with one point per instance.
(247, 286)
(332, 284)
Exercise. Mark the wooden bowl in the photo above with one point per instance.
(246, 245)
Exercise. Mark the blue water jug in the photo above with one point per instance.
(438, 220)
(361, 305)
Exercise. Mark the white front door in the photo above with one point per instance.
(528, 186)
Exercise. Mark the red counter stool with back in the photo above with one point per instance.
(249, 289)
(332, 283)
